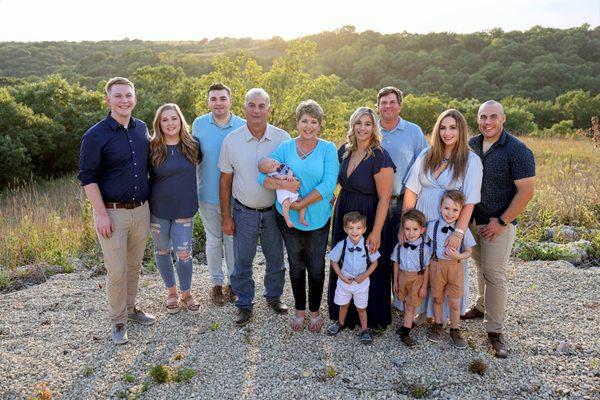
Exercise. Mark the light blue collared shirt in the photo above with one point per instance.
(467, 242)
(355, 261)
(410, 258)
(404, 143)
(210, 135)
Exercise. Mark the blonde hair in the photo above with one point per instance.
(460, 153)
(352, 144)
(158, 145)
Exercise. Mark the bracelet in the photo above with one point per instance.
(459, 231)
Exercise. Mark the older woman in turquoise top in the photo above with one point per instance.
(315, 163)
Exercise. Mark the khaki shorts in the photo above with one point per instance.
(446, 278)
(409, 285)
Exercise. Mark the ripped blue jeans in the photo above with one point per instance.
(173, 236)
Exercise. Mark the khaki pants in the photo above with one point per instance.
(123, 254)
(491, 258)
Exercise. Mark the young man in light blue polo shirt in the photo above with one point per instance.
(403, 140)
(210, 130)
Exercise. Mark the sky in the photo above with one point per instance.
(52, 20)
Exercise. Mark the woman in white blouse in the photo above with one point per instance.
(447, 164)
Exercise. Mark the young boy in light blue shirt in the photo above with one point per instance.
(353, 276)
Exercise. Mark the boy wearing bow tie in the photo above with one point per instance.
(446, 273)
(411, 274)
(357, 264)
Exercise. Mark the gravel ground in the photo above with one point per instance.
(56, 334)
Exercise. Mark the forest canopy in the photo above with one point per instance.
(51, 92)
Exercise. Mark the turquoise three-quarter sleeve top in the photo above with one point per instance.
(318, 171)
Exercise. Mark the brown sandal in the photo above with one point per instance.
(172, 304)
(191, 304)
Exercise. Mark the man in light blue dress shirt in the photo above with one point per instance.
(210, 130)
(403, 140)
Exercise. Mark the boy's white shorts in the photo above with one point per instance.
(344, 292)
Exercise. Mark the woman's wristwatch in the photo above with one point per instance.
(501, 221)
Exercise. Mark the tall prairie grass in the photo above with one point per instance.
(567, 183)
(44, 222)
(50, 221)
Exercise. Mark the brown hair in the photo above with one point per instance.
(353, 217)
(309, 107)
(456, 196)
(352, 144)
(219, 86)
(460, 153)
(158, 146)
(117, 80)
(389, 90)
(416, 216)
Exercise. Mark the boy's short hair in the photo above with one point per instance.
(219, 86)
(456, 196)
(117, 80)
(353, 217)
(415, 216)
(309, 107)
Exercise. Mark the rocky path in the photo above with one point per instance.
(54, 341)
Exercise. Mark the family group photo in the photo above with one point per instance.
(341, 214)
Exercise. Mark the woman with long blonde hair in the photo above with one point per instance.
(366, 178)
(174, 154)
(447, 165)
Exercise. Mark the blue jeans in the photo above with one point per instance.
(168, 234)
(249, 227)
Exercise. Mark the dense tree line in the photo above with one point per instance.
(42, 119)
(540, 63)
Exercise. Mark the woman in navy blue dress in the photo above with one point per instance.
(366, 177)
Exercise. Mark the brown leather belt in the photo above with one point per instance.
(127, 206)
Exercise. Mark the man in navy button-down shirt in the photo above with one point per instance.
(507, 187)
(113, 172)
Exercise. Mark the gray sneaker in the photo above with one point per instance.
(436, 333)
(137, 315)
(118, 333)
(335, 328)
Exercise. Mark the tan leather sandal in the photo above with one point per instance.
(172, 304)
(191, 304)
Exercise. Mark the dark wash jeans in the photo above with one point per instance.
(251, 225)
(306, 252)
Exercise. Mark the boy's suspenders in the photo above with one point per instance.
(435, 229)
(341, 260)
(421, 255)
(434, 245)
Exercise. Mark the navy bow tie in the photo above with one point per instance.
(412, 246)
(447, 228)
(351, 249)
